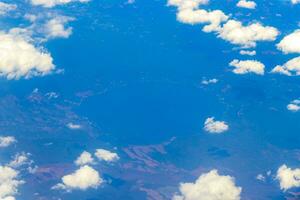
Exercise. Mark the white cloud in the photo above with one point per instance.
(19, 58)
(246, 36)
(246, 4)
(210, 81)
(5, 141)
(84, 178)
(294, 106)
(200, 16)
(55, 27)
(84, 158)
(106, 155)
(73, 126)
(292, 67)
(288, 178)
(212, 126)
(9, 182)
(188, 12)
(6, 7)
(52, 3)
(247, 66)
(19, 160)
(248, 53)
(295, 1)
(290, 43)
(260, 177)
(210, 186)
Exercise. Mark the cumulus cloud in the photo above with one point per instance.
(290, 43)
(84, 158)
(52, 3)
(295, 1)
(217, 21)
(210, 186)
(19, 58)
(294, 105)
(106, 155)
(189, 13)
(6, 7)
(209, 81)
(19, 160)
(248, 53)
(55, 27)
(73, 126)
(212, 126)
(288, 178)
(292, 67)
(247, 36)
(247, 66)
(246, 4)
(5, 141)
(82, 179)
(9, 182)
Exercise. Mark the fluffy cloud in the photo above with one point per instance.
(210, 186)
(295, 1)
(19, 160)
(212, 18)
(19, 58)
(246, 4)
(247, 36)
(84, 158)
(288, 178)
(294, 105)
(218, 22)
(84, 178)
(210, 81)
(212, 126)
(5, 141)
(52, 3)
(55, 28)
(248, 53)
(9, 182)
(247, 66)
(73, 126)
(5, 8)
(106, 155)
(189, 13)
(292, 67)
(290, 43)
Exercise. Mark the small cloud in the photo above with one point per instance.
(6, 7)
(292, 67)
(6, 141)
(52, 3)
(84, 158)
(73, 126)
(261, 177)
(246, 4)
(247, 66)
(55, 27)
(106, 155)
(82, 179)
(289, 44)
(20, 159)
(9, 183)
(248, 53)
(288, 178)
(212, 126)
(294, 105)
(210, 185)
(209, 81)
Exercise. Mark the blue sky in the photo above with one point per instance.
(177, 99)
